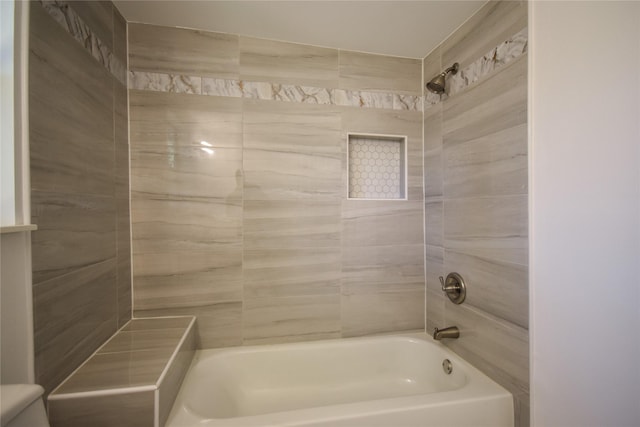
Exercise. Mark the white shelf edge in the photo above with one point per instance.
(5, 229)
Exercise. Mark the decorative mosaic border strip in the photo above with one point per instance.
(512, 48)
(64, 14)
(271, 91)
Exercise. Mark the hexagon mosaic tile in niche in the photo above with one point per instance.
(376, 167)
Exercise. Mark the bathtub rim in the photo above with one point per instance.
(477, 388)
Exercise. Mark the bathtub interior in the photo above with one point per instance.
(251, 381)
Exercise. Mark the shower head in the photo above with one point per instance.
(436, 85)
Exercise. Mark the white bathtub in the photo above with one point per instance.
(372, 381)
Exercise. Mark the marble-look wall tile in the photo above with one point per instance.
(512, 48)
(183, 51)
(489, 27)
(287, 119)
(72, 317)
(434, 311)
(71, 110)
(368, 222)
(79, 182)
(174, 375)
(74, 231)
(497, 104)
(186, 172)
(491, 165)
(291, 152)
(98, 16)
(168, 119)
(291, 318)
(290, 63)
(291, 272)
(123, 224)
(218, 325)
(119, 37)
(87, 37)
(183, 278)
(161, 82)
(382, 268)
(476, 167)
(485, 340)
(365, 313)
(433, 171)
(133, 410)
(433, 221)
(362, 71)
(488, 227)
(496, 287)
(289, 224)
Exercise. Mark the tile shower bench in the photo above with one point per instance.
(132, 380)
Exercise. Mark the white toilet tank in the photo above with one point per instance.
(21, 405)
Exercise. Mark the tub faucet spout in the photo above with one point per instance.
(450, 332)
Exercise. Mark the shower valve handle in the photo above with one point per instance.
(454, 287)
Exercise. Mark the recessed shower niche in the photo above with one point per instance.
(376, 167)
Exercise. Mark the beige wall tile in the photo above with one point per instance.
(488, 227)
(297, 318)
(433, 172)
(79, 178)
(381, 268)
(183, 51)
(489, 27)
(368, 222)
(291, 151)
(290, 63)
(119, 36)
(498, 103)
(70, 113)
(289, 224)
(367, 72)
(72, 317)
(174, 375)
(134, 410)
(434, 264)
(491, 165)
(365, 313)
(499, 288)
(186, 278)
(435, 311)
(433, 221)
(187, 224)
(98, 16)
(217, 325)
(432, 65)
(298, 271)
(74, 231)
(498, 348)
(187, 173)
(172, 119)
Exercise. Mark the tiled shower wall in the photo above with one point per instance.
(239, 195)
(79, 182)
(475, 163)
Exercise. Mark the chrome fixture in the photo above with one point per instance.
(436, 85)
(450, 332)
(454, 287)
(447, 367)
